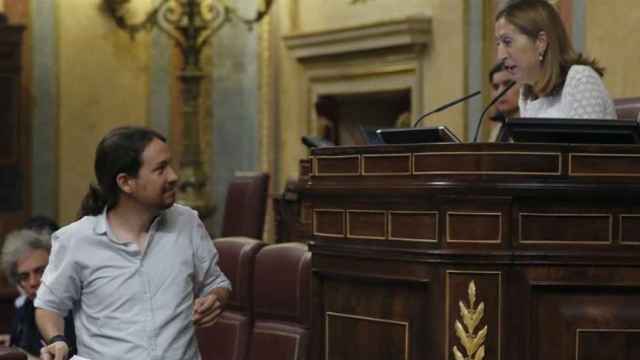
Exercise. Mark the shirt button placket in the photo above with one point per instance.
(146, 306)
(150, 330)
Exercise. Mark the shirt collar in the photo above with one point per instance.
(102, 227)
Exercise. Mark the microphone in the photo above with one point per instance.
(444, 107)
(315, 141)
(498, 117)
(495, 99)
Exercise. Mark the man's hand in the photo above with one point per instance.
(207, 309)
(56, 351)
(51, 324)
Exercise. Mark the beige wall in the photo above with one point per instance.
(102, 78)
(103, 75)
(612, 37)
(314, 15)
(447, 63)
(444, 61)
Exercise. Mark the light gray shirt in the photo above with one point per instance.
(130, 303)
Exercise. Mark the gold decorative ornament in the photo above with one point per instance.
(472, 343)
(190, 24)
(555, 3)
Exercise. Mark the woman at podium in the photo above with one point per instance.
(557, 82)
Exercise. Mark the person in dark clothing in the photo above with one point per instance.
(41, 224)
(25, 255)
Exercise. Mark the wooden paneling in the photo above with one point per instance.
(473, 311)
(375, 317)
(487, 163)
(14, 133)
(559, 228)
(474, 227)
(370, 224)
(381, 339)
(386, 164)
(625, 165)
(630, 229)
(328, 222)
(413, 225)
(336, 165)
(562, 313)
(306, 168)
(9, 88)
(546, 258)
(610, 344)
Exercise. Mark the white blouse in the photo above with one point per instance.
(583, 96)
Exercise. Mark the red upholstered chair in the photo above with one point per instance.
(7, 353)
(627, 108)
(228, 338)
(282, 303)
(246, 205)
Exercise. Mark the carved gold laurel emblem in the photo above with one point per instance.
(472, 343)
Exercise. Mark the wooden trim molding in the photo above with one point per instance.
(604, 165)
(582, 331)
(482, 167)
(330, 314)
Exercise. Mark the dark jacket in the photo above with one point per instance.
(25, 334)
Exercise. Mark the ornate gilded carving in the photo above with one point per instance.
(472, 343)
(190, 23)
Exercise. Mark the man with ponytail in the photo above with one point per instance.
(138, 272)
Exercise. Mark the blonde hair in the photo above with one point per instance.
(532, 17)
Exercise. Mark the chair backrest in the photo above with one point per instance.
(246, 205)
(287, 295)
(236, 260)
(228, 338)
(282, 303)
(7, 353)
(627, 108)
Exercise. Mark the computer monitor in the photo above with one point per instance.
(570, 131)
(434, 134)
(315, 141)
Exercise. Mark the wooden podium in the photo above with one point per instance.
(474, 251)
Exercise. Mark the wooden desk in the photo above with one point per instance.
(538, 244)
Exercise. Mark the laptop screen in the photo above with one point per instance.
(435, 134)
(570, 131)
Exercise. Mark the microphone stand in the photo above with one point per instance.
(495, 99)
(445, 106)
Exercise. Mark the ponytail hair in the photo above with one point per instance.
(93, 202)
(119, 152)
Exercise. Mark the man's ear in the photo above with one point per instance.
(125, 182)
(542, 42)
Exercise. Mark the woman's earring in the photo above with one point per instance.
(540, 57)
